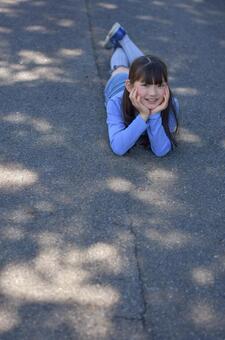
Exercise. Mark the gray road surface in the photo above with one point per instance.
(95, 246)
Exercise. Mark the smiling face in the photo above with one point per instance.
(148, 74)
(151, 95)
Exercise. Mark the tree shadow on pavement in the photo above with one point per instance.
(93, 245)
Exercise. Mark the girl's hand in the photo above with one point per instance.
(164, 103)
(136, 101)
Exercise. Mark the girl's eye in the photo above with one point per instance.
(143, 84)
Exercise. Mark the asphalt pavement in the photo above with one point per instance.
(93, 245)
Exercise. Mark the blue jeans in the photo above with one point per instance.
(115, 85)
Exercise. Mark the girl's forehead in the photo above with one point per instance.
(152, 80)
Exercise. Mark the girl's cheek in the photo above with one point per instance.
(163, 91)
(162, 94)
(139, 92)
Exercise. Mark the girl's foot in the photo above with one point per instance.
(116, 33)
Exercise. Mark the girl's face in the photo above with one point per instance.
(150, 95)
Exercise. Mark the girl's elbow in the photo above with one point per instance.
(118, 150)
(161, 152)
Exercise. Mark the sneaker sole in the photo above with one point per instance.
(107, 43)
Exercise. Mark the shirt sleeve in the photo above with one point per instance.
(122, 137)
(159, 141)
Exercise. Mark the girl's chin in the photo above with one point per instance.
(151, 106)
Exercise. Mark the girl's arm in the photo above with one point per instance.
(121, 137)
(160, 143)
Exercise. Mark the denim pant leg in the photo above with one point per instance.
(115, 85)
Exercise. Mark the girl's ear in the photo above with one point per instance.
(128, 85)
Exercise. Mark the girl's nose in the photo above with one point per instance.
(152, 90)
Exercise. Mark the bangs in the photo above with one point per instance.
(151, 73)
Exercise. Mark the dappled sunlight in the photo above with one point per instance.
(36, 28)
(34, 57)
(186, 91)
(53, 138)
(14, 73)
(200, 21)
(216, 13)
(70, 53)
(40, 73)
(207, 276)
(23, 282)
(57, 274)
(20, 118)
(223, 143)
(5, 30)
(107, 254)
(107, 5)
(89, 321)
(200, 15)
(222, 263)
(99, 253)
(38, 3)
(36, 66)
(203, 276)
(40, 125)
(162, 176)
(168, 239)
(204, 315)
(44, 206)
(48, 134)
(150, 195)
(8, 8)
(66, 23)
(16, 177)
(189, 137)
(158, 3)
(190, 9)
(6, 11)
(12, 2)
(162, 39)
(154, 19)
(20, 215)
(118, 184)
(12, 233)
(9, 318)
(222, 43)
(94, 245)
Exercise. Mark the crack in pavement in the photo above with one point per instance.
(142, 314)
(91, 31)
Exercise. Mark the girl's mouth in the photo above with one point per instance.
(152, 101)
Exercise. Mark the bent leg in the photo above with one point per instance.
(115, 85)
(120, 69)
(130, 48)
(119, 64)
(118, 59)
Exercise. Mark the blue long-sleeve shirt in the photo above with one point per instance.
(123, 137)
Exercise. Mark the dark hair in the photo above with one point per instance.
(150, 70)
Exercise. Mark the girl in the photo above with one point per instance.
(139, 103)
